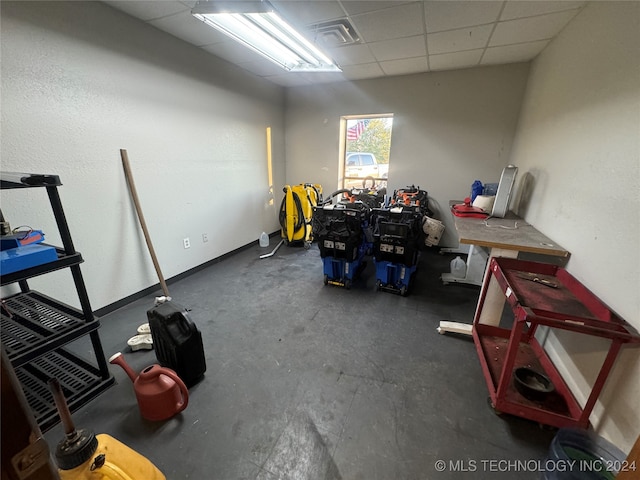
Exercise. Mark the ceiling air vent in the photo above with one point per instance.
(335, 33)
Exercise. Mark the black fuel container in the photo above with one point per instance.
(177, 341)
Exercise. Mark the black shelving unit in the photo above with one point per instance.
(34, 327)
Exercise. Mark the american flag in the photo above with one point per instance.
(353, 133)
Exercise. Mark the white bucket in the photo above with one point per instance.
(458, 267)
(264, 240)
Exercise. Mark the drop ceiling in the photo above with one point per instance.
(391, 37)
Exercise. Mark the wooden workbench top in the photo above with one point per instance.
(509, 233)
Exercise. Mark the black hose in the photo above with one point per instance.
(318, 194)
(283, 213)
(301, 219)
(334, 194)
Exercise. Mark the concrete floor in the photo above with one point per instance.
(306, 381)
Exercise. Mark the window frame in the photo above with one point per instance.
(342, 158)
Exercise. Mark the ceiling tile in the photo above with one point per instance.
(442, 16)
(405, 66)
(148, 10)
(303, 13)
(367, 70)
(399, 48)
(185, 26)
(455, 60)
(356, 7)
(351, 55)
(521, 52)
(457, 40)
(519, 9)
(400, 21)
(392, 33)
(530, 29)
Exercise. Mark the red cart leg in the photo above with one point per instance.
(509, 361)
(599, 383)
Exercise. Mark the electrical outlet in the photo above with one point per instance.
(187, 243)
(205, 238)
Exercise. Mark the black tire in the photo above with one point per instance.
(403, 291)
(347, 284)
(326, 280)
(373, 182)
(378, 285)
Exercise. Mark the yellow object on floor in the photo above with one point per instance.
(296, 211)
(113, 460)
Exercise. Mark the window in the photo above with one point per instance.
(365, 148)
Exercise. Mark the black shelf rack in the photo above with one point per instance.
(34, 327)
(64, 260)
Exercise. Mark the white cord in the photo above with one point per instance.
(516, 225)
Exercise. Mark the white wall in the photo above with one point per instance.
(578, 143)
(80, 81)
(449, 129)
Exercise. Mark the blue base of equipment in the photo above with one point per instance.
(338, 271)
(393, 277)
(27, 256)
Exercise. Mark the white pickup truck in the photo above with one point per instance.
(363, 165)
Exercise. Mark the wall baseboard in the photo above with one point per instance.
(112, 307)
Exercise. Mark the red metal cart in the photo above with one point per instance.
(543, 294)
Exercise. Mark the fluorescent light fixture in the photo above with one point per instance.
(257, 25)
